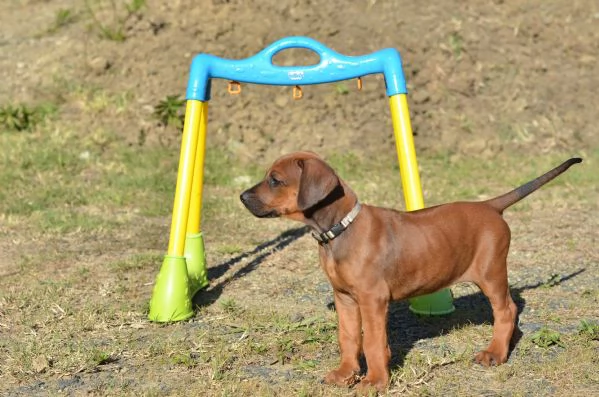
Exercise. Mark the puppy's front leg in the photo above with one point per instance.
(376, 347)
(350, 341)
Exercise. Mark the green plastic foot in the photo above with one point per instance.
(436, 304)
(196, 262)
(171, 299)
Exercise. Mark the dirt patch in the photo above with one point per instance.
(484, 76)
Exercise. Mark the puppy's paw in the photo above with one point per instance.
(371, 387)
(342, 377)
(488, 358)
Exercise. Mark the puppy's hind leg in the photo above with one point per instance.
(495, 286)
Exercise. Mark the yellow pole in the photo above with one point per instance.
(193, 117)
(440, 302)
(194, 241)
(195, 206)
(406, 154)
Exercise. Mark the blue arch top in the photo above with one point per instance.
(259, 68)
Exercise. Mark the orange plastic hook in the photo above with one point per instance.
(234, 88)
(297, 92)
(359, 84)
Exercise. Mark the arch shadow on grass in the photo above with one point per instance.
(259, 254)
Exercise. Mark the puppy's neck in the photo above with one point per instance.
(332, 209)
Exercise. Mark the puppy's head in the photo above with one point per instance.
(294, 184)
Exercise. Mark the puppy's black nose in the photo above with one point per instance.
(244, 197)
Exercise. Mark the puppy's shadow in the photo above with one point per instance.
(219, 275)
(406, 329)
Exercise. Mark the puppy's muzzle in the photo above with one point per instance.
(253, 203)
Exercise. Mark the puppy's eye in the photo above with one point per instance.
(274, 182)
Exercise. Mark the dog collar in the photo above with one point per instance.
(338, 228)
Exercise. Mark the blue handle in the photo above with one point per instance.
(259, 68)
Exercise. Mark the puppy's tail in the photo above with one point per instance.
(500, 203)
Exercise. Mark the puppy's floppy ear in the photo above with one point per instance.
(316, 182)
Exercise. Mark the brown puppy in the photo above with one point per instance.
(373, 255)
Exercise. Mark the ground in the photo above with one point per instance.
(499, 92)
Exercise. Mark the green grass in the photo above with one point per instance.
(109, 17)
(546, 337)
(456, 44)
(63, 18)
(446, 179)
(22, 117)
(171, 111)
(67, 182)
(589, 329)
